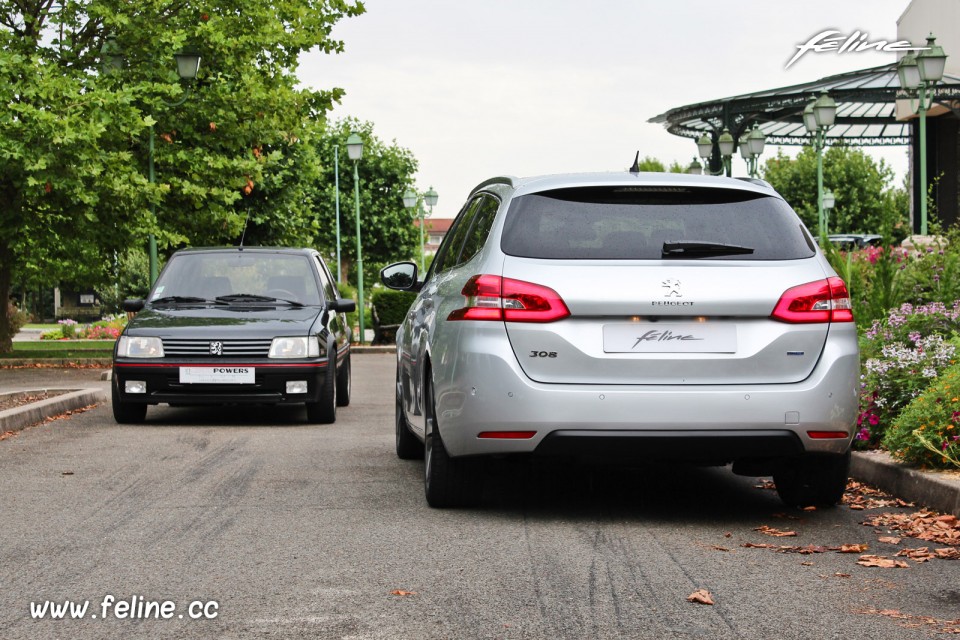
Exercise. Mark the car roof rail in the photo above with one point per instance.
(510, 181)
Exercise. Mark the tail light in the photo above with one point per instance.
(821, 301)
(494, 298)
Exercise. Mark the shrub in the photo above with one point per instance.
(16, 320)
(68, 328)
(903, 354)
(927, 431)
(392, 306)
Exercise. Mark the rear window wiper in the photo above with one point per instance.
(251, 297)
(696, 249)
(182, 300)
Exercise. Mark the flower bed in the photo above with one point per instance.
(106, 329)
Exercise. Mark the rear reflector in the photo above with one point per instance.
(820, 301)
(494, 298)
(507, 435)
(828, 435)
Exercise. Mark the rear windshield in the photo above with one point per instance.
(653, 223)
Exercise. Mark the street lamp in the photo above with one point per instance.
(918, 74)
(818, 117)
(336, 205)
(695, 168)
(411, 200)
(726, 146)
(751, 146)
(188, 64)
(355, 152)
(828, 201)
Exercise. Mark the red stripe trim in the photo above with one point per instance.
(318, 365)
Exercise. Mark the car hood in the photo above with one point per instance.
(221, 322)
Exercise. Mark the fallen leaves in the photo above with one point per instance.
(923, 525)
(403, 594)
(859, 497)
(776, 533)
(700, 596)
(911, 621)
(59, 416)
(807, 549)
(881, 561)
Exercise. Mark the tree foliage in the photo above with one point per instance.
(385, 170)
(74, 139)
(865, 200)
(649, 163)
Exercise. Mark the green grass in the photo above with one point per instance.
(60, 349)
(43, 327)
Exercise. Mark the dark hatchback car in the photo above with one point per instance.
(236, 326)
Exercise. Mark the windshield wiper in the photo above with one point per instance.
(696, 249)
(182, 300)
(252, 297)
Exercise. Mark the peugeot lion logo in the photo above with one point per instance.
(673, 288)
(216, 348)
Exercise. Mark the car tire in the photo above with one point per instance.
(815, 480)
(408, 446)
(126, 412)
(447, 482)
(343, 383)
(324, 410)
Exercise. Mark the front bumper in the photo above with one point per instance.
(269, 387)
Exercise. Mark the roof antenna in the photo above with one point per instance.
(636, 164)
(246, 223)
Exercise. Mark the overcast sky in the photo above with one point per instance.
(528, 87)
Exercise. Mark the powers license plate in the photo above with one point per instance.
(217, 375)
(666, 337)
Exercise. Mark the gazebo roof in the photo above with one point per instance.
(866, 110)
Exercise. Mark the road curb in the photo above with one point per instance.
(19, 418)
(938, 491)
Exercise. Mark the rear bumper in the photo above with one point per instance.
(484, 390)
(269, 387)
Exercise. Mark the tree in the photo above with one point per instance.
(648, 163)
(865, 200)
(386, 171)
(74, 140)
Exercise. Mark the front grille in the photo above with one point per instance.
(254, 348)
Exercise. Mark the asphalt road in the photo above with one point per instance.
(302, 531)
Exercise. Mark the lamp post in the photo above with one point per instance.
(336, 205)
(188, 64)
(818, 117)
(355, 152)
(918, 74)
(411, 200)
(695, 168)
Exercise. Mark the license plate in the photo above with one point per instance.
(217, 375)
(669, 337)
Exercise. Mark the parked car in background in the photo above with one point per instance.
(236, 326)
(628, 317)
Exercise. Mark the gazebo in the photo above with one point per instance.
(867, 115)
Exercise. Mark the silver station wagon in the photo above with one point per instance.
(628, 317)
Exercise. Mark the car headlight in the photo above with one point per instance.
(139, 347)
(298, 347)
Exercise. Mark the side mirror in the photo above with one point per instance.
(401, 276)
(133, 305)
(343, 305)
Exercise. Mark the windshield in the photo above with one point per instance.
(652, 223)
(237, 278)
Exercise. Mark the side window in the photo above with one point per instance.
(450, 249)
(482, 221)
(328, 291)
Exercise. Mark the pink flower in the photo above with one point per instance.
(863, 434)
